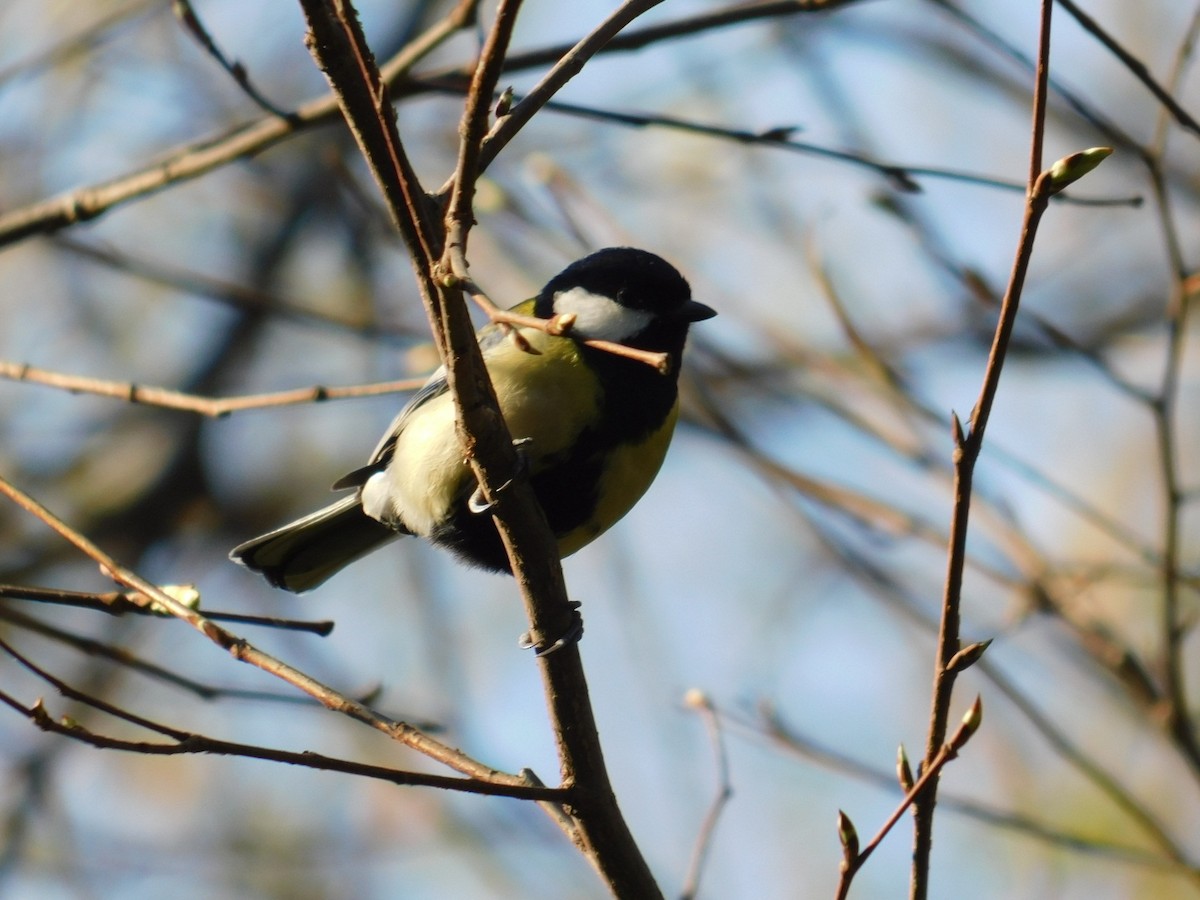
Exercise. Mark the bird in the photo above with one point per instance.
(592, 429)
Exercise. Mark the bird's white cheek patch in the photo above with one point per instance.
(598, 317)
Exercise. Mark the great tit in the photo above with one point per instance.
(594, 428)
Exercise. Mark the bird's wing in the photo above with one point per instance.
(435, 386)
(488, 336)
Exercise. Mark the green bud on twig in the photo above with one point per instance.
(904, 770)
(504, 104)
(967, 656)
(848, 835)
(1074, 166)
(956, 430)
(970, 724)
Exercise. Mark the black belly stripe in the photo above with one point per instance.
(637, 401)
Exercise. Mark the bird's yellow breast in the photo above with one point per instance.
(545, 396)
(585, 476)
(549, 396)
(627, 474)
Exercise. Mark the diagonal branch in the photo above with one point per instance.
(568, 66)
(853, 859)
(186, 14)
(339, 48)
(244, 651)
(185, 742)
(1185, 119)
(201, 157)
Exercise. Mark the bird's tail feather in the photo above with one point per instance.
(302, 554)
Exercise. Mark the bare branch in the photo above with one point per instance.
(1134, 65)
(186, 14)
(703, 704)
(339, 47)
(901, 176)
(244, 651)
(570, 65)
(769, 726)
(199, 158)
(184, 743)
(119, 603)
(214, 407)
(967, 447)
(950, 750)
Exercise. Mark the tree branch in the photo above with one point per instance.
(184, 742)
(214, 407)
(967, 447)
(853, 858)
(338, 46)
(244, 651)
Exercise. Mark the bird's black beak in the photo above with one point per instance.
(693, 311)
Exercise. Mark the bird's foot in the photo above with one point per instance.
(478, 504)
(544, 647)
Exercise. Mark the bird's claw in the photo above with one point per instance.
(543, 647)
(477, 503)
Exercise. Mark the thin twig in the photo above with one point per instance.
(567, 67)
(854, 858)
(560, 325)
(123, 658)
(967, 447)
(768, 725)
(244, 651)
(186, 14)
(743, 13)
(199, 158)
(702, 703)
(190, 744)
(901, 176)
(186, 743)
(215, 407)
(1134, 65)
(120, 603)
(1164, 407)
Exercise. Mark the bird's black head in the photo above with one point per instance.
(626, 295)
